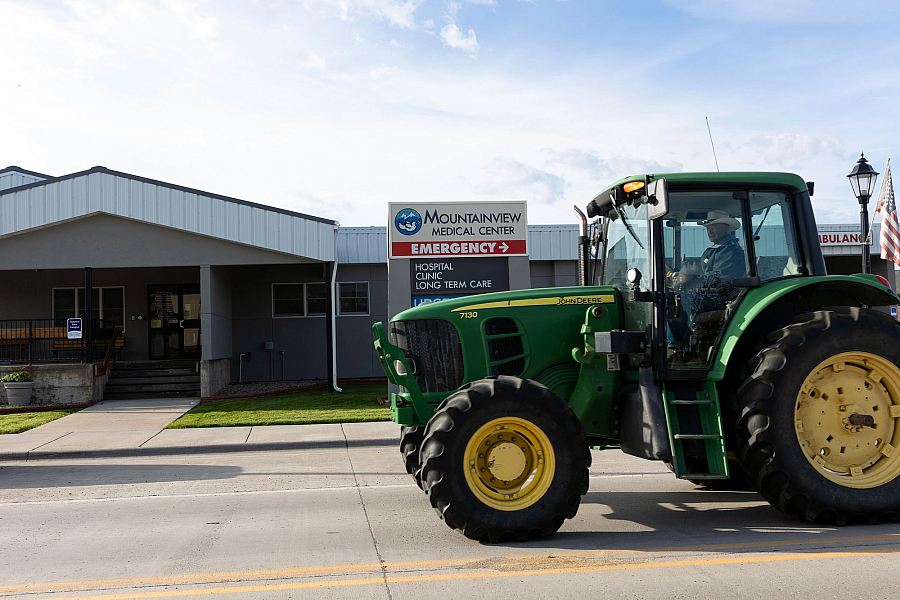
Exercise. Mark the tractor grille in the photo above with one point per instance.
(505, 348)
(434, 351)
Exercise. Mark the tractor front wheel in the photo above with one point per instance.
(410, 443)
(505, 458)
(820, 419)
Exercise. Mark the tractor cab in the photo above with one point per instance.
(684, 254)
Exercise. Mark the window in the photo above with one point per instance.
(315, 299)
(773, 236)
(298, 299)
(108, 304)
(627, 244)
(287, 299)
(353, 298)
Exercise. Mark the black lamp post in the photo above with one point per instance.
(862, 179)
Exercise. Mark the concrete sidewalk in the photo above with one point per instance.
(137, 428)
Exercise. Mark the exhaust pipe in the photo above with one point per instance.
(583, 249)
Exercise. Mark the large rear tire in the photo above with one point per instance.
(505, 458)
(820, 418)
(410, 443)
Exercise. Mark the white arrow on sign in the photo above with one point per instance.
(504, 247)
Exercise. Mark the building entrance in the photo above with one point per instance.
(174, 321)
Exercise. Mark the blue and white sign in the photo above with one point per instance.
(420, 300)
(894, 311)
(73, 329)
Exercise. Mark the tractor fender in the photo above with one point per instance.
(812, 292)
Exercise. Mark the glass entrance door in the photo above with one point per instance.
(174, 314)
(190, 323)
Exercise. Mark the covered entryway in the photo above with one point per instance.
(174, 321)
(179, 270)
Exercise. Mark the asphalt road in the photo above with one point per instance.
(343, 520)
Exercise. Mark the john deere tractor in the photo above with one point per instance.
(707, 335)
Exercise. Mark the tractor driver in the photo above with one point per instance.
(711, 288)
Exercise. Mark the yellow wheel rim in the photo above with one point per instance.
(509, 463)
(846, 419)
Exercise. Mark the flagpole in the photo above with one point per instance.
(877, 204)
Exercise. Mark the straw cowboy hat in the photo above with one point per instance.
(716, 217)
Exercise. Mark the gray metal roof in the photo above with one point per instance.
(100, 190)
(11, 177)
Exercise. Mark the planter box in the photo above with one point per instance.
(18, 393)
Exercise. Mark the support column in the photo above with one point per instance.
(215, 328)
(88, 323)
(329, 330)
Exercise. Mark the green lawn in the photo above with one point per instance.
(19, 422)
(356, 404)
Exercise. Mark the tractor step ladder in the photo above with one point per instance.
(706, 401)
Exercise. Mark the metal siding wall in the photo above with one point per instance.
(232, 221)
(271, 230)
(362, 245)
(36, 208)
(553, 242)
(245, 214)
(204, 215)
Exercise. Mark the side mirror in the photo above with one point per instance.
(657, 198)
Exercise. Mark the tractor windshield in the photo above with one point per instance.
(628, 245)
(708, 243)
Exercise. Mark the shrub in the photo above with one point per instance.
(17, 377)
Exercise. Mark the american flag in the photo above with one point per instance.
(890, 229)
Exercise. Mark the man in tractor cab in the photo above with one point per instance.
(725, 257)
(705, 285)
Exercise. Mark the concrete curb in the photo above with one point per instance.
(204, 449)
(301, 388)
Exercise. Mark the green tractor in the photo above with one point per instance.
(706, 335)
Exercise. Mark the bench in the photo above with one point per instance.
(16, 343)
(27, 343)
(67, 345)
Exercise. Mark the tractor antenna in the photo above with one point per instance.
(712, 144)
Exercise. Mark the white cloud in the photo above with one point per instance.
(199, 28)
(792, 151)
(396, 12)
(381, 71)
(314, 61)
(601, 169)
(453, 37)
(512, 179)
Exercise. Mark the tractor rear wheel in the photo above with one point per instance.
(820, 418)
(505, 458)
(410, 443)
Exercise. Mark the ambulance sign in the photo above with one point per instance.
(465, 229)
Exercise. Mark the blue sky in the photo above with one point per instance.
(337, 107)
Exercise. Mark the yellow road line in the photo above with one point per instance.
(482, 575)
(420, 565)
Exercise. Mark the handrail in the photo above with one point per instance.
(30, 341)
(101, 370)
